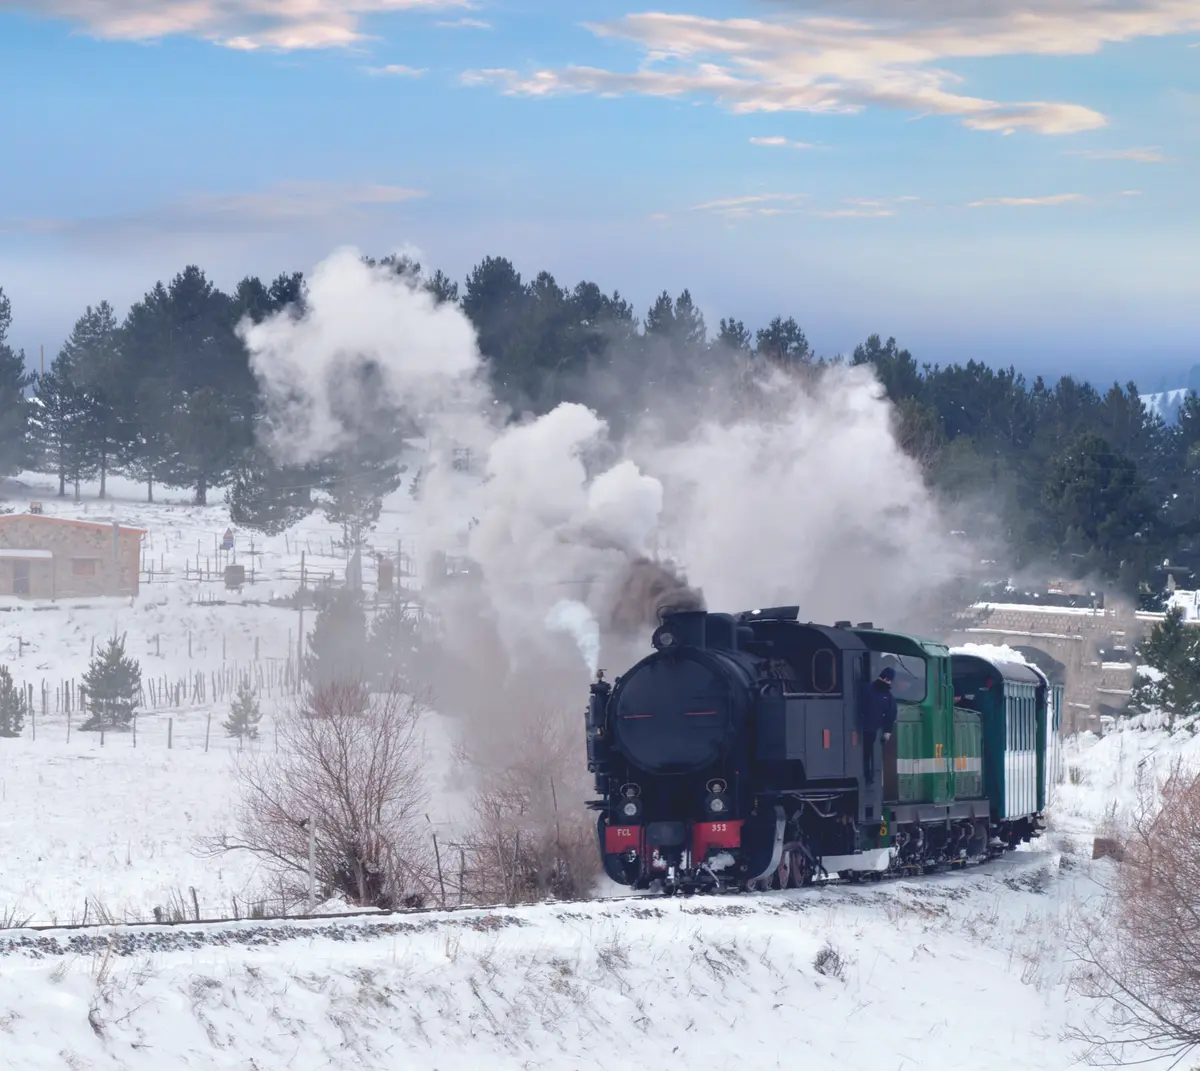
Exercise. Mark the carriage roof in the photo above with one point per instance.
(1016, 672)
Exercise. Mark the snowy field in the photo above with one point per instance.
(87, 827)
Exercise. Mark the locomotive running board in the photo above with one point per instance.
(777, 850)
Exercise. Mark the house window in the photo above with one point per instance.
(83, 566)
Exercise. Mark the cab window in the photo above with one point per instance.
(911, 682)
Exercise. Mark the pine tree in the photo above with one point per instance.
(14, 705)
(62, 432)
(93, 354)
(337, 647)
(1172, 654)
(15, 408)
(267, 497)
(353, 493)
(113, 682)
(194, 398)
(244, 714)
(396, 648)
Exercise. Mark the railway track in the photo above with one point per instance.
(127, 938)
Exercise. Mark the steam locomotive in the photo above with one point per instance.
(732, 756)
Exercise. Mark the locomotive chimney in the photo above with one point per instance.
(681, 628)
(720, 632)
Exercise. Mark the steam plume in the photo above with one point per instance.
(798, 494)
(358, 317)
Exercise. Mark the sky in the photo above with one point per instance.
(1008, 180)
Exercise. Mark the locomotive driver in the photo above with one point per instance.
(878, 714)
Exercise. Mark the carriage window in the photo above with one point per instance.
(911, 673)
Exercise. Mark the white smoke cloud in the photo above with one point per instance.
(426, 356)
(624, 505)
(803, 497)
(550, 531)
(578, 621)
(811, 501)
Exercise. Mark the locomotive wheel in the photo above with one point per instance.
(800, 875)
(782, 878)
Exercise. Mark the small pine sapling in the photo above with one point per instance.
(337, 643)
(14, 705)
(244, 714)
(114, 683)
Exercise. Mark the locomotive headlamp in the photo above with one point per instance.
(666, 639)
(630, 809)
(716, 805)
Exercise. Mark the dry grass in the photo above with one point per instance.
(1139, 956)
(530, 839)
(830, 962)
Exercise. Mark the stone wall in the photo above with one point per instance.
(1070, 636)
(82, 564)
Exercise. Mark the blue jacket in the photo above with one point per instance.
(878, 708)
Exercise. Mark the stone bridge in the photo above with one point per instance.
(1090, 651)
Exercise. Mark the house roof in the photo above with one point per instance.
(42, 519)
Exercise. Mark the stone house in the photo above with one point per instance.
(56, 558)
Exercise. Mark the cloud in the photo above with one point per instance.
(779, 142)
(845, 57)
(856, 213)
(1131, 193)
(397, 70)
(278, 209)
(759, 204)
(1148, 155)
(864, 208)
(464, 24)
(285, 25)
(1026, 202)
(792, 204)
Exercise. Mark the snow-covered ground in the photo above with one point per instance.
(960, 971)
(114, 827)
(954, 971)
(1105, 776)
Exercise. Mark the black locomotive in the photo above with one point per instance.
(732, 756)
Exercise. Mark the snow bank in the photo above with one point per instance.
(1103, 776)
(708, 982)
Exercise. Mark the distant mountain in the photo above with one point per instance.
(1166, 403)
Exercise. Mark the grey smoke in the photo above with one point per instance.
(643, 590)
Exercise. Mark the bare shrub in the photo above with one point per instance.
(529, 837)
(1139, 956)
(830, 962)
(349, 762)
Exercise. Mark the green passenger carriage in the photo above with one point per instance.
(976, 743)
